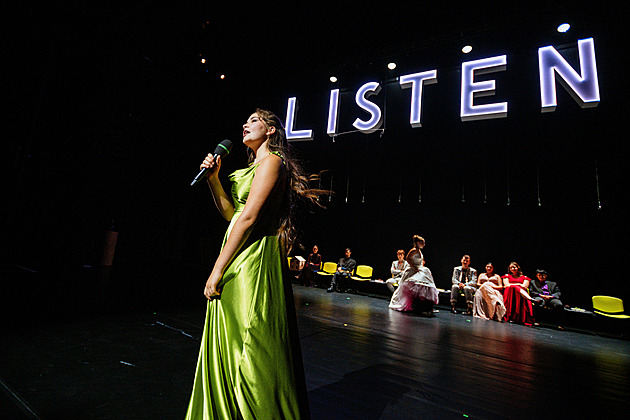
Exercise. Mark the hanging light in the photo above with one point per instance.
(466, 49)
(333, 79)
(391, 66)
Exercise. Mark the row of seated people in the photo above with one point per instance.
(488, 296)
(346, 266)
(341, 278)
(510, 297)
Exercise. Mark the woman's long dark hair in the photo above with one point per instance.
(298, 181)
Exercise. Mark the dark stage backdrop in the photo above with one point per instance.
(113, 113)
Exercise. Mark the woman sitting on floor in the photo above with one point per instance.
(488, 303)
(517, 301)
(416, 284)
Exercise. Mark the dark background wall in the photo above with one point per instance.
(111, 111)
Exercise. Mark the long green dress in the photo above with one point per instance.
(250, 363)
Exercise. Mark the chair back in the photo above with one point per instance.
(329, 267)
(364, 271)
(607, 305)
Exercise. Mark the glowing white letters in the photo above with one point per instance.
(290, 121)
(583, 87)
(371, 125)
(333, 112)
(472, 89)
(415, 81)
(552, 67)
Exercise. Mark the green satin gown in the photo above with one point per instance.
(250, 363)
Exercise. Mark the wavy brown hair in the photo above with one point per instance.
(297, 179)
(519, 272)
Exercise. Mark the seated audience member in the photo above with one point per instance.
(489, 296)
(345, 268)
(416, 288)
(545, 293)
(517, 301)
(397, 269)
(313, 262)
(464, 278)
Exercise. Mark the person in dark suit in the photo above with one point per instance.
(345, 268)
(545, 293)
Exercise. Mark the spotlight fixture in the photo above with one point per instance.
(466, 49)
(563, 28)
(333, 79)
(222, 76)
(391, 66)
(203, 61)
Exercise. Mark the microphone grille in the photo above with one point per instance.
(223, 148)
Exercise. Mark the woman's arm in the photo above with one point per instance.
(525, 284)
(268, 174)
(223, 202)
(499, 285)
(313, 260)
(393, 269)
(410, 254)
(221, 199)
(479, 282)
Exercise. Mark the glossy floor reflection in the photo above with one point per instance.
(362, 361)
(365, 361)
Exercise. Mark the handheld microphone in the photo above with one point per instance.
(222, 149)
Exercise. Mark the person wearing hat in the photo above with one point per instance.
(545, 293)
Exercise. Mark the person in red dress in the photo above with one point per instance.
(517, 301)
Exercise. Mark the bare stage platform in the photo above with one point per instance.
(362, 361)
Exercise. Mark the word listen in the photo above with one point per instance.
(583, 86)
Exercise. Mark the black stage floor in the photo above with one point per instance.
(362, 361)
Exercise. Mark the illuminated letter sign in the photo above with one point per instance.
(333, 112)
(415, 82)
(472, 89)
(584, 87)
(367, 90)
(292, 135)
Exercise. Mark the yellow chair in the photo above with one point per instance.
(328, 269)
(363, 273)
(611, 307)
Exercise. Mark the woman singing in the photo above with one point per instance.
(250, 364)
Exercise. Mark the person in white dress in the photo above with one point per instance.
(416, 288)
(488, 301)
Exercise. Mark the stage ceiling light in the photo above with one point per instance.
(391, 66)
(563, 28)
(222, 76)
(333, 79)
(466, 49)
(203, 61)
